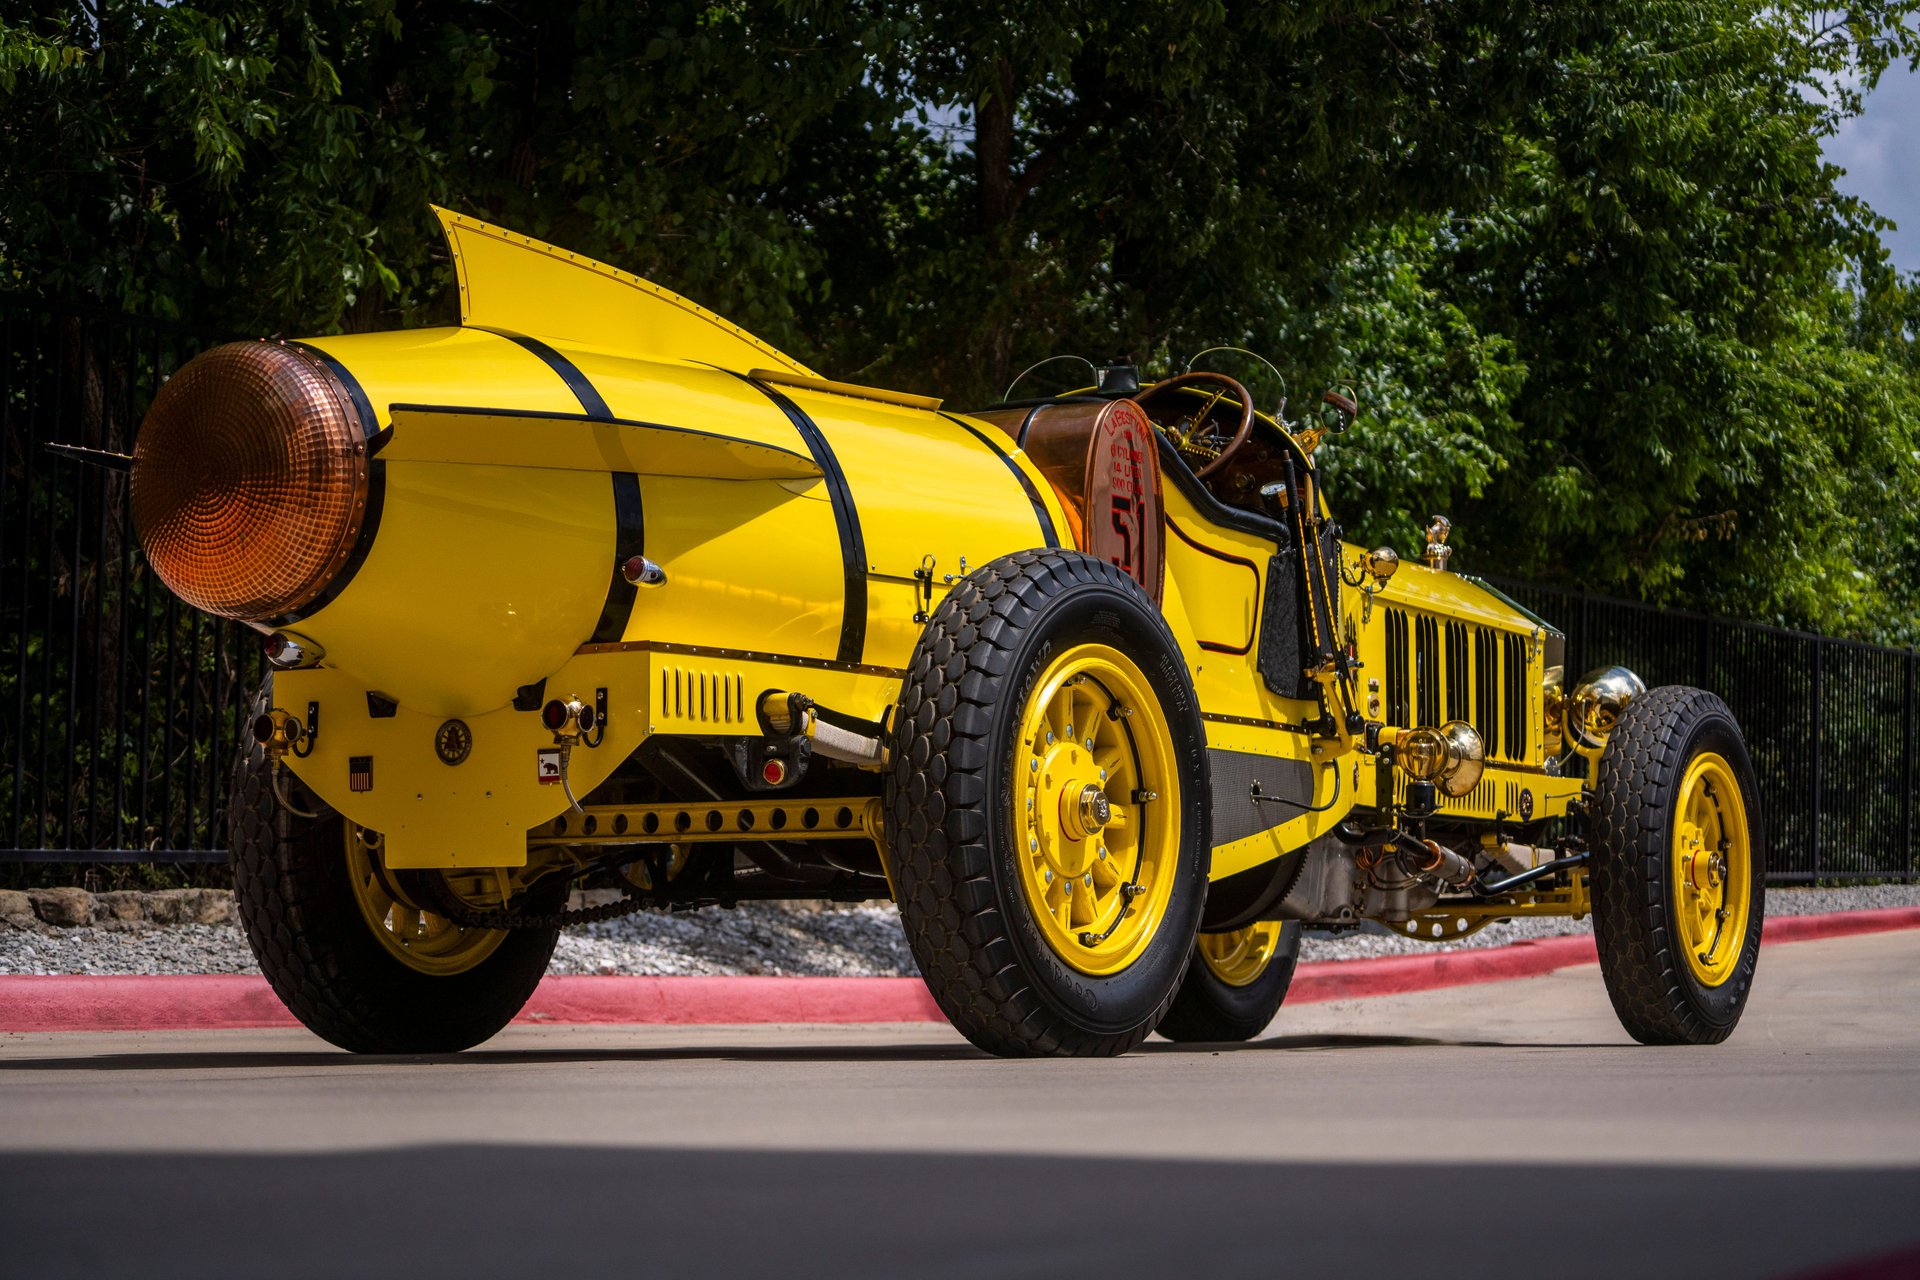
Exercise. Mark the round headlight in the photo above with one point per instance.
(250, 480)
(1596, 703)
(1421, 753)
(1466, 757)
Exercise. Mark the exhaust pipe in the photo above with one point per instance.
(795, 715)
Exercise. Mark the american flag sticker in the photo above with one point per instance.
(360, 773)
(549, 766)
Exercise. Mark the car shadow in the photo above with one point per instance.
(222, 1059)
(476, 1209)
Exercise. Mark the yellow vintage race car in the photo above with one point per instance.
(597, 589)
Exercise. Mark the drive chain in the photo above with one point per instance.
(470, 918)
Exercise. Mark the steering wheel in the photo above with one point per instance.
(1189, 445)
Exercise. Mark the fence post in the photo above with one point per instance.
(1704, 656)
(1819, 734)
(1906, 772)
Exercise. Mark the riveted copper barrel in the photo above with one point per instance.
(250, 480)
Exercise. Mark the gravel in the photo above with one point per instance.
(785, 939)
(177, 948)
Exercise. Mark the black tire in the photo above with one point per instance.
(297, 907)
(1208, 1010)
(949, 808)
(1654, 990)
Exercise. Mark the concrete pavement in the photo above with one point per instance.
(1503, 1129)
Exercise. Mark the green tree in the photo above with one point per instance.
(1584, 262)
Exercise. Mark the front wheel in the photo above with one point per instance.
(1236, 983)
(1679, 867)
(1046, 808)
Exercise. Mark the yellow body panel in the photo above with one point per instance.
(478, 813)
(516, 562)
(1292, 829)
(749, 566)
(490, 572)
(512, 560)
(1216, 581)
(580, 444)
(928, 494)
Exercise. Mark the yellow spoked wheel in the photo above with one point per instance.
(1097, 795)
(411, 932)
(1239, 958)
(1712, 869)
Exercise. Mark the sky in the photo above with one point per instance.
(1880, 150)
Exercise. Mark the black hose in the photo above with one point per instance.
(1304, 808)
(1540, 872)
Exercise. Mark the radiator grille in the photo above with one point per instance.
(1399, 706)
(1426, 669)
(1514, 666)
(1459, 673)
(1439, 671)
(1486, 702)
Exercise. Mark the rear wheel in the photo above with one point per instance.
(1235, 985)
(1046, 807)
(368, 958)
(1679, 868)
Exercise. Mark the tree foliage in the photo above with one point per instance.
(1585, 262)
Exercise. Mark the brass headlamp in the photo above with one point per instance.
(1452, 756)
(1595, 706)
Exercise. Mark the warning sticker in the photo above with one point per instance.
(360, 773)
(549, 766)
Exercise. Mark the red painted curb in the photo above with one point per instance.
(1399, 975)
(194, 1002)
(176, 1002)
(592, 1000)
(139, 1002)
(1839, 924)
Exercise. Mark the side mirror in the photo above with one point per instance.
(1338, 409)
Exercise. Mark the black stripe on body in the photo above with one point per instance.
(853, 550)
(629, 541)
(1026, 482)
(583, 390)
(629, 515)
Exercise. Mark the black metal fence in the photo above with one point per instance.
(120, 707)
(1829, 723)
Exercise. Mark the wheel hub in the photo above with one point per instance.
(413, 932)
(1712, 869)
(1096, 872)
